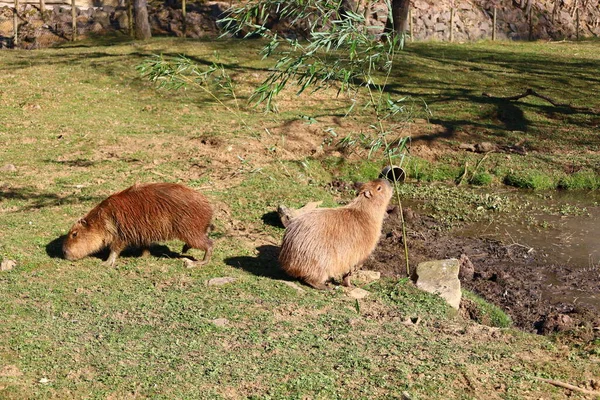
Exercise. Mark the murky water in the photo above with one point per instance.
(562, 228)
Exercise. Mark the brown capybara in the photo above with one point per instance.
(139, 216)
(330, 242)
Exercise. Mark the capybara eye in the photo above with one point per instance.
(379, 188)
(73, 234)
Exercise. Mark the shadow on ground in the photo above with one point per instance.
(54, 250)
(264, 264)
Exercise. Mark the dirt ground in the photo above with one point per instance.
(505, 275)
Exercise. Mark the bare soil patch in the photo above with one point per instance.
(506, 275)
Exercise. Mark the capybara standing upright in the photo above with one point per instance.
(328, 243)
(139, 216)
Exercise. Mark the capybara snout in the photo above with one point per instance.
(330, 243)
(139, 216)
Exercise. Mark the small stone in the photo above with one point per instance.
(484, 147)
(366, 276)
(220, 322)
(7, 265)
(220, 281)
(466, 268)
(358, 293)
(44, 381)
(441, 277)
(8, 168)
(293, 286)
(10, 371)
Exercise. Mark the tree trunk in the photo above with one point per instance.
(400, 14)
(142, 25)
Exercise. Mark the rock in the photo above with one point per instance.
(467, 146)
(122, 19)
(441, 277)
(220, 322)
(366, 276)
(556, 322)
(10, 371)
(8, 168)
(220, 281)
(484, 147)
(466, 268)
(7, 265)
(294, 286)
(358, 293)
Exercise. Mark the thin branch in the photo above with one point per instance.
(568, 386)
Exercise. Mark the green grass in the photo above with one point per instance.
(78, 124)
(486, 313)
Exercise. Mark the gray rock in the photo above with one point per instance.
(7, 265)
(440, 27)
(358, 293)
(441, 277)
(220, 281)
(467, 269)
(220, 322)
(8, 168)
(366, 276)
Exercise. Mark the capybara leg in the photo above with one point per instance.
(316, 284)
(145, 251)
(115, 250)
(110, 261)
(346, 280)
(207, 255)
(204, 244)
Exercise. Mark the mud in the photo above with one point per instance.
(510, 276)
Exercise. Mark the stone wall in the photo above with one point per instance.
(551, 19)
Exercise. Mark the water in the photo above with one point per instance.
(562, 228)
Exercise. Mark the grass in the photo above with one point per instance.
(79, 124)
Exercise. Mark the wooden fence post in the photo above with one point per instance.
(183, 7)
(577, 23)
(130, 18)
(494, 25)
(16, 24)
(451, 24)
(410, 25)
(530, 23)
(74, 18)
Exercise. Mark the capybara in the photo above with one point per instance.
(330, 242)
(139, 216)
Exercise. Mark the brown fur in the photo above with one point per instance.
(328, 243)
(139, 216)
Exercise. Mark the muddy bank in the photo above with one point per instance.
(509, 275)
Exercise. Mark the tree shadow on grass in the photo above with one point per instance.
(264, 264)
(37, 200)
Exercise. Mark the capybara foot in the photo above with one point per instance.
(318, 285)
(145, 252)
(346, 281)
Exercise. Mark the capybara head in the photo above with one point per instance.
(377, 193)
(82, 240)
